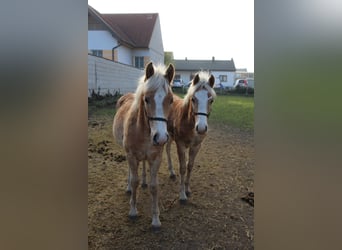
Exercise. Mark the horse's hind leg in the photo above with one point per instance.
(182, 168)
(169, 161)
(129, 187)
(192, 155)
(144, 183)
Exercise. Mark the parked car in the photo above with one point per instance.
(250, 82)
(218, 86)
(244, 83)
(240, 83)
(177, 83)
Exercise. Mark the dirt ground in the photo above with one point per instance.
(215, 217)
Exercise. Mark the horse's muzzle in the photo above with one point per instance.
(160, 140)
(202, 129)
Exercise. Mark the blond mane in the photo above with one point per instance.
(202, 83)
(156, 81)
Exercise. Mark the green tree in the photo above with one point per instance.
(168, 57)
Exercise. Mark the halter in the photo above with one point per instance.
(157, 119)
(200, 113)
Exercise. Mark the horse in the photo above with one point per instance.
(140, 126)
(188, 126)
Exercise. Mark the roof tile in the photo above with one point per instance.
(196, 65)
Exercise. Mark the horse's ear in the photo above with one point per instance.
(196, 79)
(170, 72)
(211, 81)
(149, 70)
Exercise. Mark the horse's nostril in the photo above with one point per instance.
(155, 138)
(201, 129)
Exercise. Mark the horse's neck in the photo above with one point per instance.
(139, 118)
(187, 114)
(142, 119)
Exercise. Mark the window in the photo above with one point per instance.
(139, 62)
(96, 53)
(177, 77)
(223, 78)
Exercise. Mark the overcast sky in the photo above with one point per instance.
(198, 29)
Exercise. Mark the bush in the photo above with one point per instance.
(242, 91)
(106, 100)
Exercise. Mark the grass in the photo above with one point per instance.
(236, 111)
(101, 112)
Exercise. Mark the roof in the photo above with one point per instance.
(134, 29)
(137, 28)
(196, 65)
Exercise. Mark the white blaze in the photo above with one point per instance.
(159, 127)
(202, 101)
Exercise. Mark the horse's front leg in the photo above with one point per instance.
(169, 161)
(192, 156)
(144, 183)
(129, 187)
(154, 168)
(134, 182)
(182, 167)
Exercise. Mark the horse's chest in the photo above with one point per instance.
(192, 139)
(143, 149)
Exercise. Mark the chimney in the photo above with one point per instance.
(213, 58)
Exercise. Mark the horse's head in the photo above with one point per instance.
(157, 98)
(202, 96)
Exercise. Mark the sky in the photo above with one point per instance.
(198, 29)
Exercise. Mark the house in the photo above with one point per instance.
(222, 70)
(132, 39)
(243, 74)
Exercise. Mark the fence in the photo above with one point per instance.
(105, 76)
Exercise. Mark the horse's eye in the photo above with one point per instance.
(171, 101)
(193, 99)
(147, 100)
(211, 101)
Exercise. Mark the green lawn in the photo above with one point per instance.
(237, 111)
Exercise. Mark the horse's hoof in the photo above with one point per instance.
(156, 229)
(183, 202)
(188, 194)
(173, 177)
(144, 185)
(128, 192)
(133, 217)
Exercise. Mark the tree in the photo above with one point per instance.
(168, 57)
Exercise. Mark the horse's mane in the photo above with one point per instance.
(202, 83)
(156, 81)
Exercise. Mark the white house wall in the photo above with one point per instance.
(230, 78)
(108, 76)
(101, 40)
(125, 55)
(141, 52)
(156, 44)
(185, 76)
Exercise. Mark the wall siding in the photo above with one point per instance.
(109, 76)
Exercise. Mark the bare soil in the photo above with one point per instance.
(218, 215)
